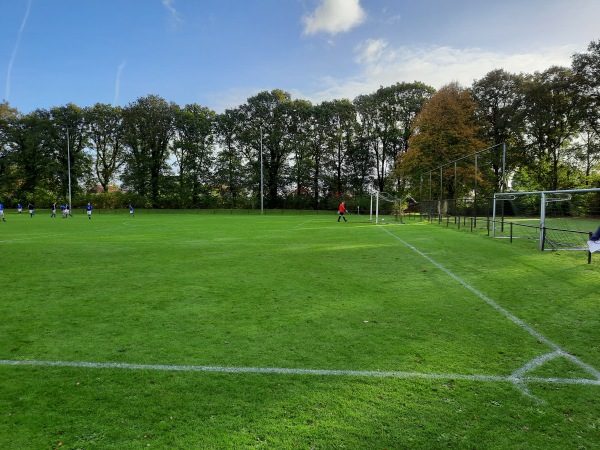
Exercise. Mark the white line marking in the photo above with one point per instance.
(307, 221)
(517, 378)
(322, 220)
(288, 371)
(537, 361)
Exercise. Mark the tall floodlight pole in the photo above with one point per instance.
(377, 207)
(262, 210)
(503, 187)
(69, 168)
(441, 192)
(475, 193)
(430, 194)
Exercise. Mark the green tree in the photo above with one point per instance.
(193, 149)
(230, 174)
(586, 74)
(340, 122)
(66, 142)
(500, 107)
(265, 119)
(105, 134)
(8, 180)
(299, 115)
(551, 124)
(398, 105)
(317, 135)
(368, 135)
(587, 152)
(149, 129)
(32, 157)
(360, 167)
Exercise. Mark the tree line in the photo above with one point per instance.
(153, 153)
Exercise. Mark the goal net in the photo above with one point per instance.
(387, 207)
(559, 220)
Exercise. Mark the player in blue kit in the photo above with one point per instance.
(89, 208)
(2, 212)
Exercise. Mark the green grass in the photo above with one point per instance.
(298, 292)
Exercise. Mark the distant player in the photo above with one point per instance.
(88, 208)
(31, 210)
(53, 210)
(2, 212)
(341, 211)
(131, 211)
(19, 208)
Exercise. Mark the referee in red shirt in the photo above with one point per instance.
(341, 211)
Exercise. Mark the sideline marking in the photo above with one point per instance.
(517, 375)
(283, 371)
(517, 378)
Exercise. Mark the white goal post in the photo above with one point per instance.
(381, 197)
(546, 198)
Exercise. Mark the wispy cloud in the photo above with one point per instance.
(118, 83)
(439, 65)
(14, 53)
(381, 64)
(334, 16)
(168, 4)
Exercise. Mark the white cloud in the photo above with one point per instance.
(383, 65)
(118, 83)
(372, 51)
(14, 53)
(168, 5)
(334, 16)
(393, 19)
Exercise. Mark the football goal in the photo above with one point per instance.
(385, 206)
(559, 220)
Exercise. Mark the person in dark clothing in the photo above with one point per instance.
(595, 235)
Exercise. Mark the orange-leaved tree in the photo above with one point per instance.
(444, 140)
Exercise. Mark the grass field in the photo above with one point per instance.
(224, 331)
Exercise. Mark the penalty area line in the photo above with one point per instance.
(289, 371)
(557, 350)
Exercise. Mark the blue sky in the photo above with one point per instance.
(217, 53)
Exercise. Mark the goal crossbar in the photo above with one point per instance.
(545, 197)
(384, 196)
